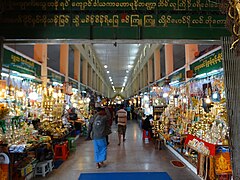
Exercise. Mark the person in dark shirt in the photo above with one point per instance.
(146, 125)
(99, 132)
(72, 118)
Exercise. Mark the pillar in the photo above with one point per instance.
(1, 55)
(190, 49)
(145, 75)
(94, 80)
(136, 85)
(85, 72)
(231, 66)
(77, 65)
(89, 76)
(40, 55)
(141, 80)
(150, 71)
(168, 59)
(64, 50)
(98, 84)
(157, 65)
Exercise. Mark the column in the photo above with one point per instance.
(168, 59)
(77, 65)
(94, 80)
(231, 66)
(64, 49)
(145, 75)
(89, 76)
(190, 49)
(150, 71)
(141, 80)
(97, 84)
(40, 55)
(157, 65)
(1, 55)
(85, 72)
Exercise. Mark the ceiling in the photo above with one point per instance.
(119, 59)
(117, 56)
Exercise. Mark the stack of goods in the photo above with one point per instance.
(53, 101)
(212, 126)
(53, 129)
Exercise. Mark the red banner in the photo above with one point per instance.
(211, 147)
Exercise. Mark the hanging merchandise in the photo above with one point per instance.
(67, 88)
(156, 96)
(195, 123)
(146, 106)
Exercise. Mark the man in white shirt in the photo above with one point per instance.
(122, 123)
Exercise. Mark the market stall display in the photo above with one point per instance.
(194, 123)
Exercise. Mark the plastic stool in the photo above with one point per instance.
(72, 146)
(42, 169)
(146, 135)
(50, 165)
(61, 151)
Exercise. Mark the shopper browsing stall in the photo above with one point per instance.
(73, 118)
(146, 125)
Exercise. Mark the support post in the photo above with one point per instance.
(85, 72)
(150, 70)
(190, 49)
(40, 55)
(77, 65)
(169, 59)
(157, 65)
(231, 66)
(64, 50)
(1, 55)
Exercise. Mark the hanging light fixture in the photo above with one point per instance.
(208, 100)
(215, 95)
(165, 95)
(33, 96)
(20, 93)
(184, 100)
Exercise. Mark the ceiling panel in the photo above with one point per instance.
(117, 57)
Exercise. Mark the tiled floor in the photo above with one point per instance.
(133, 156)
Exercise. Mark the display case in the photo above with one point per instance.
(157, 111)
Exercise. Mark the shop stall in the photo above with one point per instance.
(194, 123)
(33, 118)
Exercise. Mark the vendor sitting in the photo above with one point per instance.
(73, 118)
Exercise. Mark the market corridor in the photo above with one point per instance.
(132, 156)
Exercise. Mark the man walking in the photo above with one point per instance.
(122, 123)
(99, 127)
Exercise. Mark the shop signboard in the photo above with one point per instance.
(73, 82)
(22, 64)
(178, 76)
(55, 77)
(208, 63)
(112, 19)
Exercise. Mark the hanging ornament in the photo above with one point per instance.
(208, 100)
